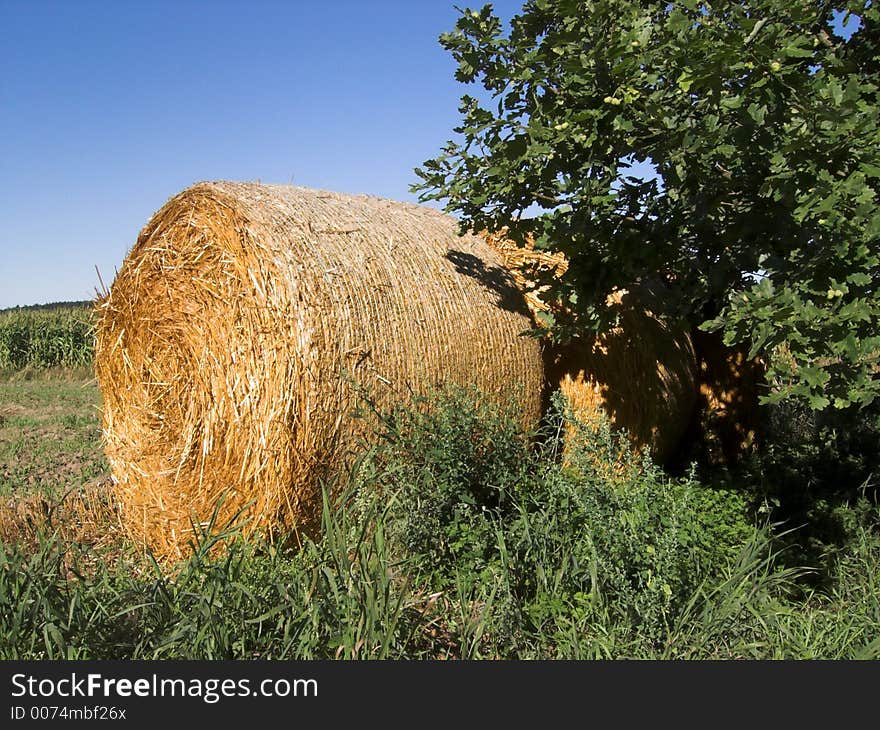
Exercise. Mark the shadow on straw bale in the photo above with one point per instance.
(729, 416)
(641, 374)
(495, 278)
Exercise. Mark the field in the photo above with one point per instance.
(457, 536)
(50, 433)
(55, 335)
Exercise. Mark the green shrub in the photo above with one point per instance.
(475, 502)
(449, 470)
(819, 472)
(459, 535)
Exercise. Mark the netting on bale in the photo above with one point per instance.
(641, 374)
(247, 321)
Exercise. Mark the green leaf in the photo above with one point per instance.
(817, 401)
(758, 113)
(732, 102)
(766, 157)
(859, 278)
(796, 52)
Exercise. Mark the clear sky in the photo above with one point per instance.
(108, 108)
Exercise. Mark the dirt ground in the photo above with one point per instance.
(53, 475)
(50, 434)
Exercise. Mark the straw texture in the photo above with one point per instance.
(641, 374)
(233, 345)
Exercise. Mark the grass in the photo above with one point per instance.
(456, 536)
(50, 432)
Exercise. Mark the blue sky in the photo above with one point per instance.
(109, 108)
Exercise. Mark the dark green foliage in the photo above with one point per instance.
(828, 451)
(761, 121)
(818, 471)
(446, 469)
(636, 543)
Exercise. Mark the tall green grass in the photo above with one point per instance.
(46, 337)
(460, 536)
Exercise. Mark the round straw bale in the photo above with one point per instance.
(641, 374)
(248, 321)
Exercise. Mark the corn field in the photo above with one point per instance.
(46, 337)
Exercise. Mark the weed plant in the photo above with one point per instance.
(460, 535)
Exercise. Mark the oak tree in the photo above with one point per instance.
(757, 124)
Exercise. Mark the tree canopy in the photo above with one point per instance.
(757, 121)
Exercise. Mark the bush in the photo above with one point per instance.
(449, 469)
(460, 535)
(819, 472)
(477, 504)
